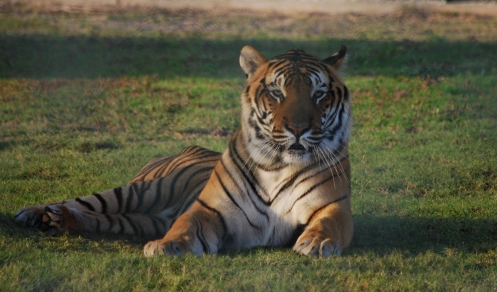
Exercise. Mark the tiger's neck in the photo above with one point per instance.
(278, 180)
(256, 156)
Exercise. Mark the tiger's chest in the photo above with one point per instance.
(288, 198)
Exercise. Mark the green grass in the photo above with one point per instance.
(86, 99)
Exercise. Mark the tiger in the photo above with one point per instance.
(283, 180)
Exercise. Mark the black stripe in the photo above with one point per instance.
(321, 208)
(278, 63)
(201, 237)
(315, 73)
(239, 163)
(98, 224)
(247, 175)
(139, 194)
(336, 110)
(111, 221)
(129, 198)
(346, 93)
(339, 122)
(142, 192)
(186, 168)
(249, 180)
(185, 159)
(182, 208)
(173, 184)
(232, 178)
(135, 228)
(332, 94)
(218, 214)
(332, 80)
(157, 229)
(121, 225)
(339, 93)
(195, 174)
(187, 150)
(314, 187)
(170, 166)
(226, 191)
(158, 196)
(323, 170)
(186, 156)
(327, 70)
(150, 167)
(162, 170)
(85, 204)
(292, 179)
(118, 192)
(102, 202)
(260, 119)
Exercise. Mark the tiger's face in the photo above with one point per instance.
(295, 109)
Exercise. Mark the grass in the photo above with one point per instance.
(88, 98)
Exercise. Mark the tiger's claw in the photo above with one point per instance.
(317, 246)
(170, 248)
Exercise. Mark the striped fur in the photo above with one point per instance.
(284, 179)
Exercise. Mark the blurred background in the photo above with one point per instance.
(325, 6)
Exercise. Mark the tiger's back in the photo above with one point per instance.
(193, 160)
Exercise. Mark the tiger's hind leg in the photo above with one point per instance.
(59, 219)
(100, 212)
(148, 205)
(146, 208)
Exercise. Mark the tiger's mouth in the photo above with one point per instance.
(297, 154)
(297, 147)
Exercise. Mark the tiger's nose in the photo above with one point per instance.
(298, 130)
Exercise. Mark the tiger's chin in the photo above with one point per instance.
(297, 156)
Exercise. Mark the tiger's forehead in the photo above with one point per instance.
(296, 68)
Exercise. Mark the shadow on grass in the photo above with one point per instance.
(46, 57)
(380, 235)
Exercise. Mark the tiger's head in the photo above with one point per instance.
(295, 108)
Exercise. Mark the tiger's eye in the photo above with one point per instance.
(318, 94)
(276, 94)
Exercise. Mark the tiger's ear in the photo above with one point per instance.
(250, 60)
(336, 60)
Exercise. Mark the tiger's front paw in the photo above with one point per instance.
(316, 245)
(52, 220)
(178, 247)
